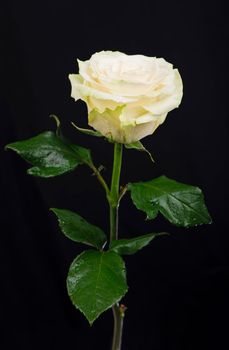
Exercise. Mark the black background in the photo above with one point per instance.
(178, 295)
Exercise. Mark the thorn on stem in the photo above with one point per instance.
(101, 167)
(122, 309)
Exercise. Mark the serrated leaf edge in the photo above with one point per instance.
(107, 308)
(66, 235)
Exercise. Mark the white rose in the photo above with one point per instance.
(128, 96)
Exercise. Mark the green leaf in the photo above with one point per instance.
(182, 205)
(87, 131)
(132, 245)
(78, 229)
(139, 147)
(96, 281)
(50, 155)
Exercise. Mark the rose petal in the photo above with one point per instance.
(167, 102)
(79, 89)
(114, 126)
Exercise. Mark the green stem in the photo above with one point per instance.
(118, 326)
(114, 191)
(114, 203)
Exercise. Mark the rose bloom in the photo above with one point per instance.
(127, 96)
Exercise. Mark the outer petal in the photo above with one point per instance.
(80, 90)
(101, 105)
(168, 102)
(113, 125)
(107, 123)
(83, 70)
(143, 129)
